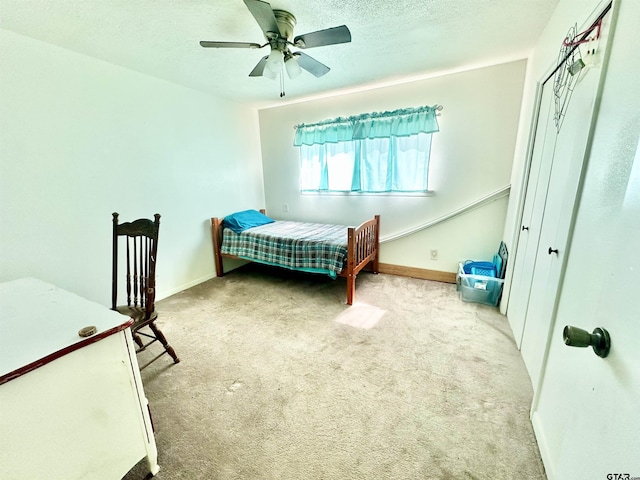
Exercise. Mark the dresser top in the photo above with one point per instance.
(39, 322)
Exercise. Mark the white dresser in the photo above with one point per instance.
(70, 407)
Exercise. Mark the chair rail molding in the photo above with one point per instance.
(489, 198)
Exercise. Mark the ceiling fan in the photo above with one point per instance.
(277, 26)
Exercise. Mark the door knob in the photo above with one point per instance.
(553, 250)
(577, 337)
(524, 228)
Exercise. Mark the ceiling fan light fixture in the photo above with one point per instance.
(275, 61)
(269, 73)
(292, 66)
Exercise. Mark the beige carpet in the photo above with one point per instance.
(280, 379)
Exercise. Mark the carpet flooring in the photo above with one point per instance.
(279, 379)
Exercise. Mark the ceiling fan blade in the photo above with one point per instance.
(329, 36)
(263, 13)
(310, 64)
(259, 68)
(206, 44)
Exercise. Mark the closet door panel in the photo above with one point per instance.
(569, 158)
(533, 213)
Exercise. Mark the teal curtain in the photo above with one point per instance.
(399, 123)
(329, 131)
(381, 152)
(393, 164)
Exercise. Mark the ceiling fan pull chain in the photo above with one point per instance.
(281, 84)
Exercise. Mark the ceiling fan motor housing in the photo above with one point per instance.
(286, 21)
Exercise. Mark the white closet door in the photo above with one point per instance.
(571, 147)
(533, 213)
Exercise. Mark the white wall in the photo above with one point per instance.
(81, 138)
(471, 157)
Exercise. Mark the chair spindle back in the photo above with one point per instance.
(140, 238)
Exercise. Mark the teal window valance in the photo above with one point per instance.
(397, 123)
(369, 153)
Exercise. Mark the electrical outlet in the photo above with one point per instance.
(285, 207)
(434, 254)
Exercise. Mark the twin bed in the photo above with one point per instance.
(334, 250)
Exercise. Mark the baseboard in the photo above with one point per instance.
(172, 291)
(386, 268)
(414, 272)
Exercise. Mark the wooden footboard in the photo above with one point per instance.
(363, 245)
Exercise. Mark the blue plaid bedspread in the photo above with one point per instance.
(309, 247)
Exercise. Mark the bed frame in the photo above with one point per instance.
(363, 247)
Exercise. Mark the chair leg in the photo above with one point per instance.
(160, 336)
(138, 340)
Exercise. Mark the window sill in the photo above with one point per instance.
(429, 193)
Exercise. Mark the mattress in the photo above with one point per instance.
(308, 247)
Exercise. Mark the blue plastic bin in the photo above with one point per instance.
(478, 288)
(487, 269)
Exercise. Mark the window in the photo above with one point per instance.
(370, 153)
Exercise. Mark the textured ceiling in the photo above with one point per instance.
(391, 40)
